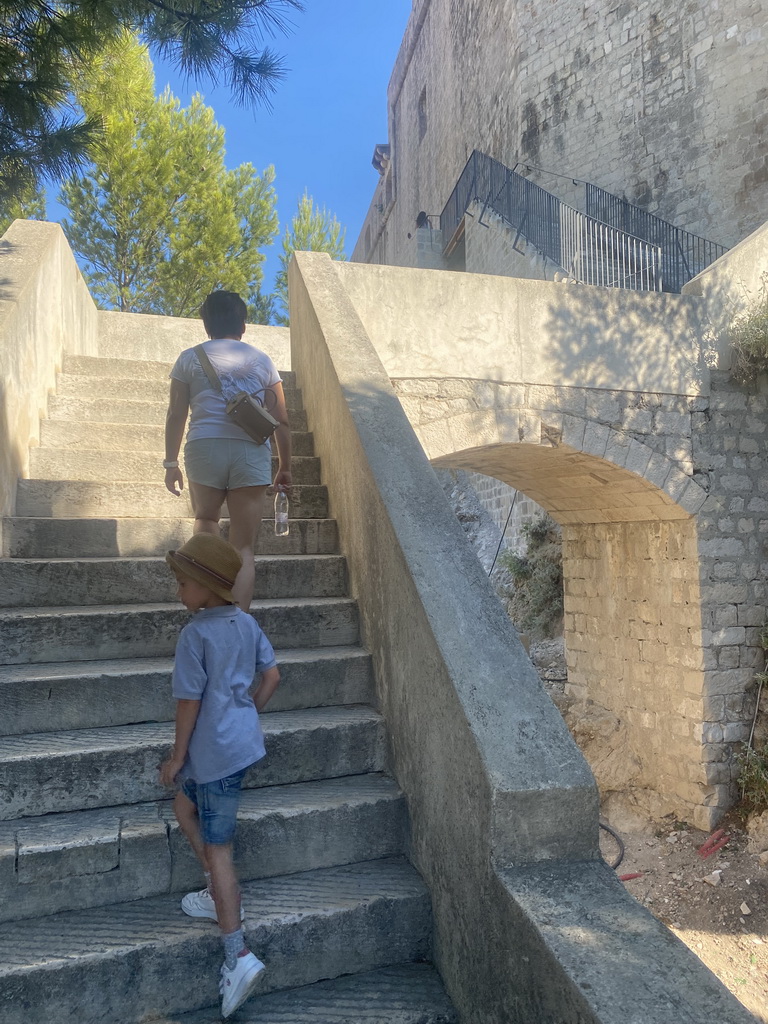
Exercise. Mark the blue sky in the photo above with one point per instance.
(328, 113)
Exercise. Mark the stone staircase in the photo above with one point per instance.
(92, 864)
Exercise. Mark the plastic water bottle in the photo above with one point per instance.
(281, 513)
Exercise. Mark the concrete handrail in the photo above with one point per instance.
(45, 309)
(503, 807)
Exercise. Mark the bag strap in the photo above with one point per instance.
(213, 377)
(207, 366)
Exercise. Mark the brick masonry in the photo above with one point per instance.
(664, 600)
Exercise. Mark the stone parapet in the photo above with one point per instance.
(502, 808)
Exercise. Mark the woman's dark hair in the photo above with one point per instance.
(224, 314)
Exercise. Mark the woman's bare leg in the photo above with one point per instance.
(246, 508)
(206, 502)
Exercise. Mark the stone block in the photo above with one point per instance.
(638, 421)
(658, 470)
(596, 437)
(736, 732)
(713, 708)
(573, 432)
(714, 752)
(708, 732)
(617, 448)
(692, 498)
(725, 570)
(725, 615)
(675, 423)
(603, 407)
(752, 615)
(727, 681)
(728, 657)
(724, 637)
(638, 457)
(725, 593)
(736, 482)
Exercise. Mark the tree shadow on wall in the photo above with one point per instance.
(6, 251)
(624, 340)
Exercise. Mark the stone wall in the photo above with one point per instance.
(502, 809)
(634, 646)
(45, 310)
(665, 104)
(665, 616)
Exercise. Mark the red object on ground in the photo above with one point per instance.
(714, 848)
(713, 843)
(627, 878)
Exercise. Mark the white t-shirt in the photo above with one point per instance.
(240, 367)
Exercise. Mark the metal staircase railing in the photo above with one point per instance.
(683, 255)
(589, 248)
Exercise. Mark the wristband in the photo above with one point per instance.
(170, 464)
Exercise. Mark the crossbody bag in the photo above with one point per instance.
(243, 409)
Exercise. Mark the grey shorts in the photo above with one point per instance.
(227, 463)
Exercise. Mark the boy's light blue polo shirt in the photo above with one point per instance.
(217, 655)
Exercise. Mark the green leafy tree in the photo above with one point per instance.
(30, 205)
(262, 308)
(157, 220)
(312, 229)
(45, 46)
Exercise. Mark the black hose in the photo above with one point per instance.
(618, 839)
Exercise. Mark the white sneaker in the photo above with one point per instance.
(235, 986)
(200, 904)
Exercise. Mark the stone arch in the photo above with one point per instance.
(622, 472)
(633, 607)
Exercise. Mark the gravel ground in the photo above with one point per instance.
(718, 906)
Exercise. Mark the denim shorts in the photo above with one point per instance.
(216, 804)
(227, 463)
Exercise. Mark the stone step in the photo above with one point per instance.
(70, 385)
(60, 582)
(62, 464)
(28, 537)
(31, 635)
(75, 860)
(70, 771)
(121, 410)
(135, 369)
(406, 994)
(95, 694)
(78, 498)
(131, 961)
(128, 437)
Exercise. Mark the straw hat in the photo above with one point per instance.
(208, 560)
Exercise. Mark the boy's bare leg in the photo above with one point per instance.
(226, 890)
(189, 823)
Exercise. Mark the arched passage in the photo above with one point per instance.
(633, 615)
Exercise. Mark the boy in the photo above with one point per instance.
(218, 737)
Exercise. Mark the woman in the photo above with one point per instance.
(221, 460)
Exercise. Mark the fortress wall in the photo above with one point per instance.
(665, 104)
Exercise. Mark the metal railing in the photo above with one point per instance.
(684, 255)
(585, 248)
(591, 252)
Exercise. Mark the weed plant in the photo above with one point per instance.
(753, 778)
(536, 597)
(748, 335)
